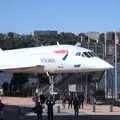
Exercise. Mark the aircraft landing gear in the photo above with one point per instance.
(51, 82)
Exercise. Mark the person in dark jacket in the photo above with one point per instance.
(70, 101)
(82, 100)
(76, 106)
(1, 110)
(38, 109)
(50, 102)
(42, 98)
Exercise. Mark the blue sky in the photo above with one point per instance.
(25, 16)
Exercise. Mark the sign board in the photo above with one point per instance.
(72, 88)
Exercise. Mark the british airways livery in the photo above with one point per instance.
(51, 59)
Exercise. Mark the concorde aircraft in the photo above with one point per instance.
(51, 59)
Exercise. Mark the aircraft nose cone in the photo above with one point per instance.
(108, 66)
(104, 65)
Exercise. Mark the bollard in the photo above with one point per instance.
(93, 108)
(58, 109)
(110, 108)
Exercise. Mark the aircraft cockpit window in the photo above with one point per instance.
(83, 55)
(90, 53)
(87, 54)
(78, 54)
(94, 54)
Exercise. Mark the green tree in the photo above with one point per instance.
(67, 38)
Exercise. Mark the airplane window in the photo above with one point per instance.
(91, 54)
(86, 54)
(83, 55)
(78, 54)
(94, 54)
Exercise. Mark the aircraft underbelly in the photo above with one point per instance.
(35, 69)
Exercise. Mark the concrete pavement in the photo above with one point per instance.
(12, 111)
(12, 114)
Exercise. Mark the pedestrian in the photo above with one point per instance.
(1, 109)
(76, 106)
(42, 98)
(82, 100)
(50, 102)
(63, 102)
(38, 109)
(70, 101)
(35, 98)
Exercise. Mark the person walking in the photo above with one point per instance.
(63, 102)
(35, 98)
(42, 98)
(50, 102)
(38, 109)
(1, 109)
(70, 102)
(76, 106)
(82, 100)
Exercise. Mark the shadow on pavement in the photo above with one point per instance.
(12, 112)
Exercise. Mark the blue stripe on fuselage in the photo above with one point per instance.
(64, 58)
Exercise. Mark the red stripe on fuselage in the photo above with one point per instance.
(61, 51)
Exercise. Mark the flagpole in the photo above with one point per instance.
(105, 70)
(116, 42)
(88, 43)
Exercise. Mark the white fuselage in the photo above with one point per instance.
(53, 59)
